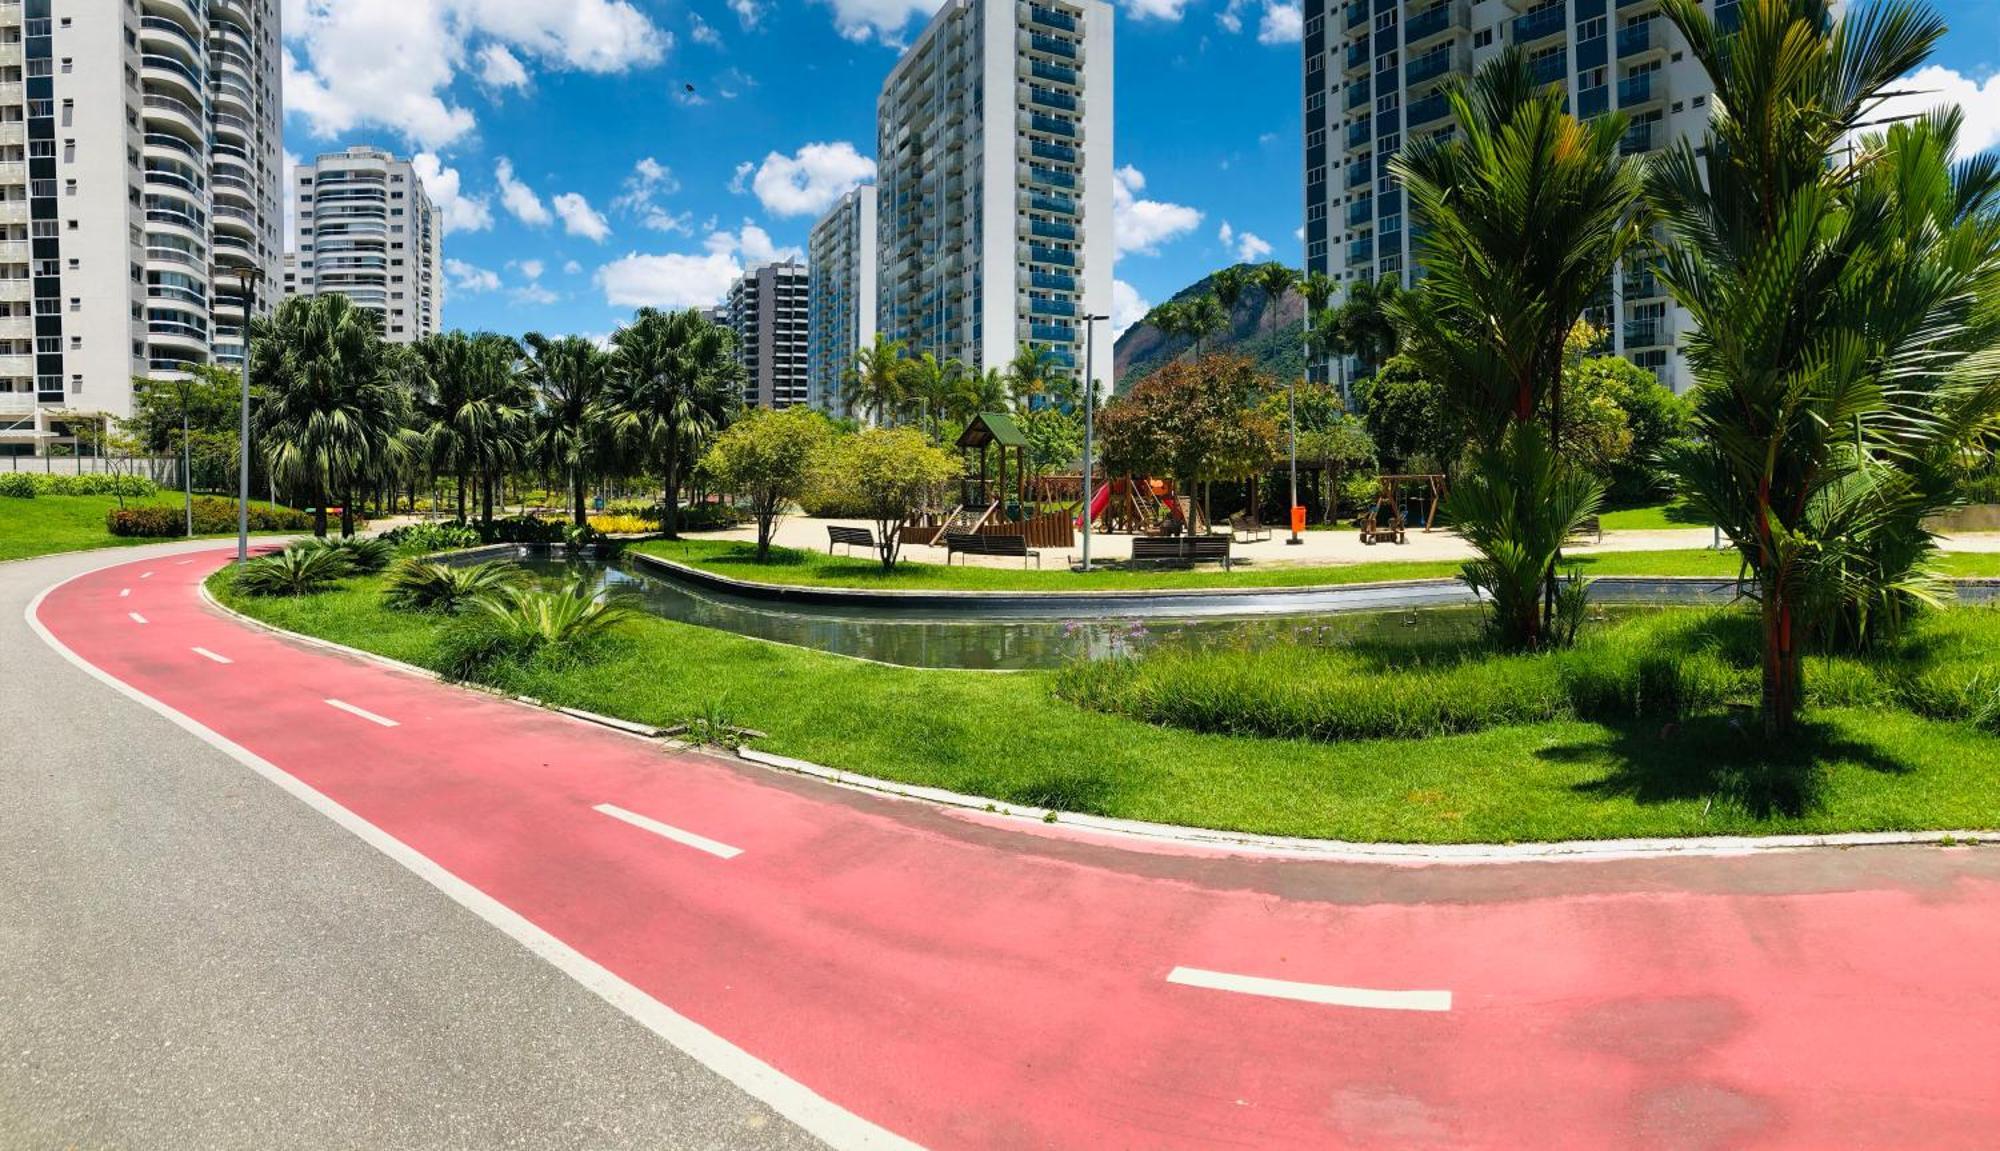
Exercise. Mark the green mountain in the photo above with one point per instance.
(1144, 349)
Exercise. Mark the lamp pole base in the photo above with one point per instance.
(1294, 541)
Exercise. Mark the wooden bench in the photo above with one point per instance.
(1247, 530)
(1592, 526)
(1377, 527)
(1182, 549)
(973, 544)
(850, 537)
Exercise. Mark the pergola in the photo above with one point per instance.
(987, 431)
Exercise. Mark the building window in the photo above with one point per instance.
(1482, 38)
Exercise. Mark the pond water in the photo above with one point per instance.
(1005, 642)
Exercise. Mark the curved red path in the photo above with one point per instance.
(964, 985)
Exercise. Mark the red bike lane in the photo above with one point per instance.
(963, 986)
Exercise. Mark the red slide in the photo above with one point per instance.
(1098, 501)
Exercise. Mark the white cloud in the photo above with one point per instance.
(534, 294)
(1248, 247)
(1283, 23)
(499, 68)
(753, 244)
(1143, 225)
(883, 20)
(672, 280)
(390, 64)
(1935, 86)
(1128, 307)
(1156, 9)
(740, 182)
(517, 197)
(468, 278)
(808, 182)
(651, 179)
(579, 218)
(529, 269)
(748, 11)
(702, 32)
(571, 268)
(460, 212)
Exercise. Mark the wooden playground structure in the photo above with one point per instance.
(1387, 520)
(995, 500)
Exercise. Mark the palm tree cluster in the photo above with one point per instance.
(341, 414)
(888, 385)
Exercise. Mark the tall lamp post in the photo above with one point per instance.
(1089, 423)
(187, 462)
(247, 276)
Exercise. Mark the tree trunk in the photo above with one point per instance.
(576, 490)
(319, 519)
(461, 495)
(485, 500)
(347, 516)
(1782, 687)
(670, 510)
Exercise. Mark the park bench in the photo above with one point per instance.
(973, 544)
(1182, 549)
(851, 538)
(1592, 526)
(1384, 524)
(1247, 530)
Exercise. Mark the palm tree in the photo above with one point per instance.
(930, 383)
(874, 381)
(980, 392)
(1317, 287)
(1228, 286)
(477, 410)
(1364, 325)
(568, 373)
(1526, 211)
(1809, 326)
(674, 383)
(330, 415)
(1169, 319)
(1204, 316)
(1031, 373)
(1273, 280)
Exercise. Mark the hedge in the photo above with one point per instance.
(28, 485)
(211, 517)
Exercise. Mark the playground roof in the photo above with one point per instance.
(992, 428)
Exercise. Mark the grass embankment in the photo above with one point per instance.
(48, 524)
(797, 568)
(1010, 737)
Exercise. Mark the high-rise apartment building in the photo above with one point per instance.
(840, 314)
(140, 147)
(367, 231)
(766, 308)
(1374, 70)
(994, 184)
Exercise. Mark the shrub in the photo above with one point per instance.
(415, 584)
(28, 485)
(363, 555)
(423, 539)
(623, 525)
(521, 530)
(293, 572)
(520, 622)
(212, 516)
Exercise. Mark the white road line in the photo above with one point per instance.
(818, 1115)
(209, 655)
(136, 617)
(684, 838)
(182, 563)
(145, 575)
(370, 716)
(123, 592)
(1325, 993)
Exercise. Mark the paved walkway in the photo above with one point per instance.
(876, 969)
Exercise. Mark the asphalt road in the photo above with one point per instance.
(191, 958)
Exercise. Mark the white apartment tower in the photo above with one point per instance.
(994, 176)
(140, 147)
(1373, 74)
(766, 308)
(368, 231)
(840, 313)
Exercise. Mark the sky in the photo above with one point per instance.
(593, 156)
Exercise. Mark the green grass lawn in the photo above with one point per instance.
(49, 524)
(1009, 737)
(1658, 517)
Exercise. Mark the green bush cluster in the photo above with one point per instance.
(212, 516)
(1662, 667)
(28, 485)
(428, 538)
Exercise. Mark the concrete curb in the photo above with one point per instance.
(1138, 834)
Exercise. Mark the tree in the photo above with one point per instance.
(931, 383)
(1170, 319)
(769, 457)
(1614, 401)
(1409, 417)
(476, 410)
(212, 396)
(874, 381)
(1273, 280)
(1202, 318)
(569, 374)
(331, 412)
(674, 383)
(1815, 331)
(886, 474)
(980, 392)
(1031, 373)
(1227, 287)
(1192, 420)
(1364, 325)
(1526, 211)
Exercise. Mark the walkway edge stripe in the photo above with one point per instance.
(212, 657)
(362, 712)
(1241, 842)
(815, 1114)
(668, 831)
(1326, 994)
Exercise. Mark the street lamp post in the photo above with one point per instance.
(187, 460)
(1089, 424)
(247, 276)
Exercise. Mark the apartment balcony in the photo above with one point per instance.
(17, 367)
(1042, 307)
(1049, 177)
(1432, 22)
(1047, 98)
(1431, 108)
(1638, 39)
(1052, 281)
(1429, 66)
(1055, 73)
(174, 114)
(1358, 94)
(17, 291)
(1360, 132)
(1050, 230)
(13, 172)
(12, 94)
(14, 252)
(1641, 89)
(1624, 4)
(1362, 249)
(1550, 69)
(1056, 256)
(156, 28)
(11, 55)
(1642, 285)
(1593, 102)
(13, 211)
(1053, 126)
(1357, 56)
(1647, 333)
(174, 77)
(1051, 46)
(1540, 23)
(1357, 14)
(1049, 202)
(1050, 18)
(1056, 332)
(1361, 213)
(1638, 138)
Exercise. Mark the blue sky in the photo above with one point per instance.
(580, 177)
